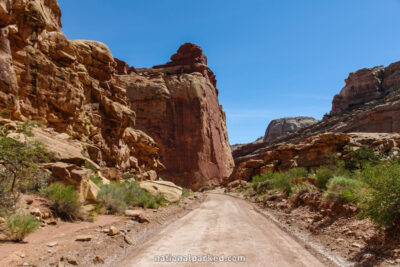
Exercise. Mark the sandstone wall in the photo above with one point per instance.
(177, 104)
(365, 85)
(70, 86)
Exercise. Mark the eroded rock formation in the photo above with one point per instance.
(77, 88)
(281, 127)
(369, 103)
(313, 152)
(365, 85)
(70, 86)
(177, 104)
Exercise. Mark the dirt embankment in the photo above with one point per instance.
(56, 244)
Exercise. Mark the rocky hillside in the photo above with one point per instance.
(177, 104)
(282, 127)
(369, 103)
(77, 88)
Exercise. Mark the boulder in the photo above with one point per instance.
(136, 215)
(113, 231)
(281, 127)
(170, 191)
(70, 174)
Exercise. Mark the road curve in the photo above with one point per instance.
(223, 225)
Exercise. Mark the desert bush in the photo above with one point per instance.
(300, 189)
(276, 180)
(117, 197)
(19, 225)
(361, 157)
(304, 187)
(97, 180)
(64, 201)
(282, 181)
(344, 190)
(205, 188)
(382, 204)
(112, 198)
(323, 175)
(261, 187)
(297, 172)
(186, 192)
(128, 175)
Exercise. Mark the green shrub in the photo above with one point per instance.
(90, 166)
(97, 180)
(323, 175)
(277, 180)
(297, 172)
(127, 176)
(300, 189)
(382, 204)
(205, 188)
(282, 181)
(19, 225)
(112, 198)
(186, 192)
(117, 197)
(261, 187)
(344, 190)
(360, 158)
(65, 201)
(304, 187)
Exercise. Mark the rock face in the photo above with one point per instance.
(281, 127)
(365, 85)
(70, 86)
(79, 89)
(177, 104)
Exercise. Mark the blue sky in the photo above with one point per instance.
(272, 58)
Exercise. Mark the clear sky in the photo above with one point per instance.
(272, 58)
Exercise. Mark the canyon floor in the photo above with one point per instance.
(224, 225)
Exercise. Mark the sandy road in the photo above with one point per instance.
(228, 226)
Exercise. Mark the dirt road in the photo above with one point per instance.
(227, 226)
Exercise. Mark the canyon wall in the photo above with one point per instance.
(368, 104)
(78, 88)
(366, 85)
(177, 104)
(69, 86)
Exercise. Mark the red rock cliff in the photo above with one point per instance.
(70, 86)
(365, 85)
(177, 104)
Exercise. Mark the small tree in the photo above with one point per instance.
(19, 166)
